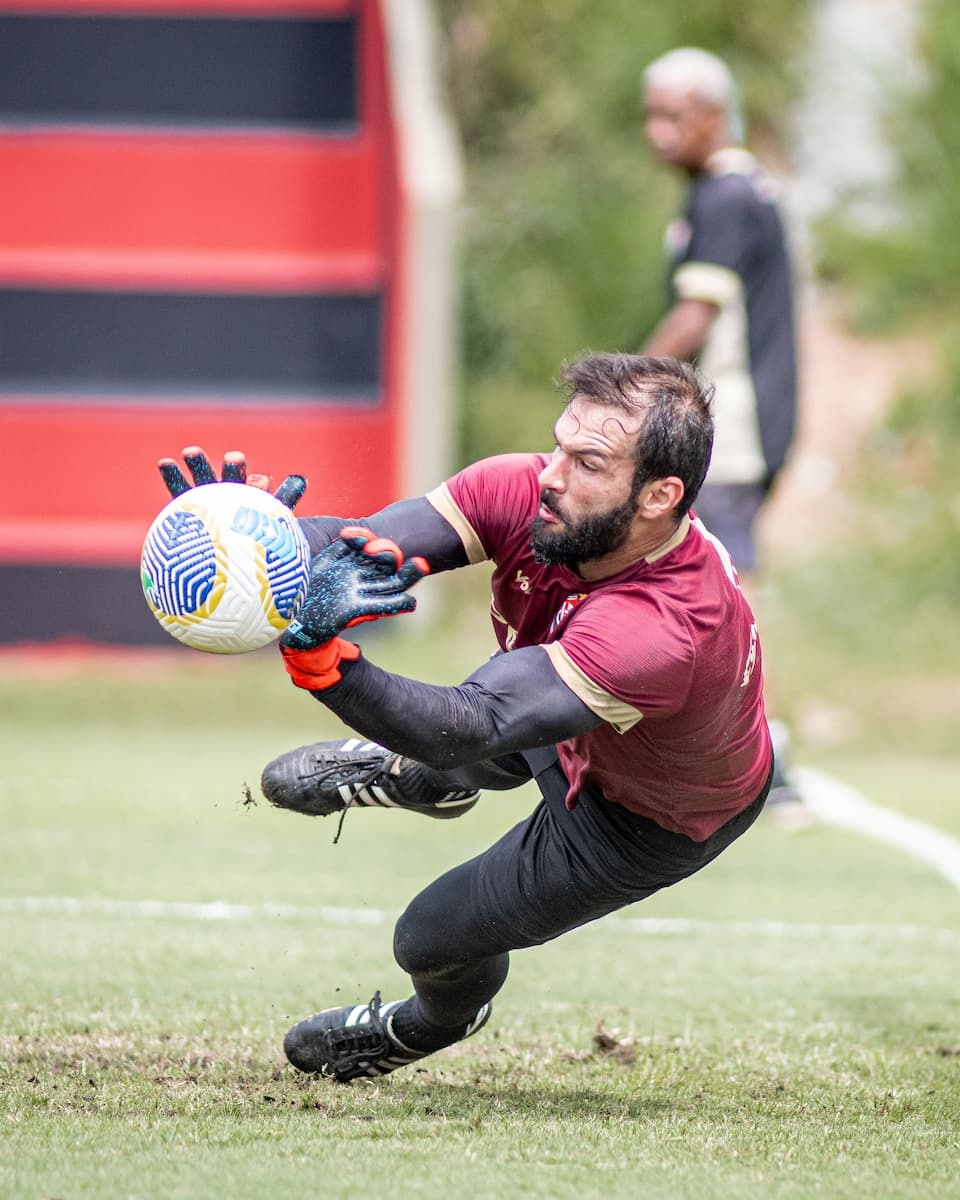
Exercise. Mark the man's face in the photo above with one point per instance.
(587, 500)
(682, 129)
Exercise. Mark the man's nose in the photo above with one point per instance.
(551, 477)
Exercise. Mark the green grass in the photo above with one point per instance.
(710, 1056)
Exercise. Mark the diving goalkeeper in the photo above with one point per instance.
(627, 684)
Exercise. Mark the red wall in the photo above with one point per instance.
(181, 210)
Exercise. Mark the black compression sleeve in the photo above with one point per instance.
(515, 701)
(415, 525)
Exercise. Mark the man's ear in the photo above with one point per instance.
(659, 497)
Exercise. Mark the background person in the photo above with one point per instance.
(732, 302)
(628, 685)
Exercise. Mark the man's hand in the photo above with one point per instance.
(234, 471)
(357, 578)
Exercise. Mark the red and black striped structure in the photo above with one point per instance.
(204, 239)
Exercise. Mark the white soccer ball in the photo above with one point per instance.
(225, 568)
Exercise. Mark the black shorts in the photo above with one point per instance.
(558, 869)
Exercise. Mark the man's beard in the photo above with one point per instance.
(580, 541)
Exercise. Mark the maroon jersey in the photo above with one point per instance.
(666, 652)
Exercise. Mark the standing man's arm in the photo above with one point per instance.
(683, 331)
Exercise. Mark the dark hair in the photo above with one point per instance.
(673, 402)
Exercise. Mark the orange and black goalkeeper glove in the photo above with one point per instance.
(359, 577)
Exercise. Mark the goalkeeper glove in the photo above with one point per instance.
(359, 577)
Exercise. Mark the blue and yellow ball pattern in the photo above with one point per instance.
(225, 568)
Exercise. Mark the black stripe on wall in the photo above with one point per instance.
(76, 341)
(102, 604)
(178, 70)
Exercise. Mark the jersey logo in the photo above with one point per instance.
(509, 633)
(523, 582)
(676, 238)
(564, 611)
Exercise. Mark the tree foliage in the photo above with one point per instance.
(564, 209)
(907, 277)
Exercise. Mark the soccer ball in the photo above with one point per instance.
(225, 568)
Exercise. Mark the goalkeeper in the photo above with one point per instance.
(627, 684)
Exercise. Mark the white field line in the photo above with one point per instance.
(213, 910)
(833, 802)
(838, 804)
(219, 910)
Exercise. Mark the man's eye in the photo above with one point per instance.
(588, 466)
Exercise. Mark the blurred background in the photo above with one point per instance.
(357, 237)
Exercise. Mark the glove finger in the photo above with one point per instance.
(378, 588)
(377, 551)
(413, 570)
(391, 606)
(396, 582)
(356, 536)
(234, 467)
(173, 477)
(382, 554)
(290, 490)
(385, 551)
(199, 466)
(403, 603)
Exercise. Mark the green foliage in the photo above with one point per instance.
(890, 277)
(879, 617)
(872, 626)
(885, 602)
(565, 209)
(910, 270)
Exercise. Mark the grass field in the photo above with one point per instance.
(787, 1024)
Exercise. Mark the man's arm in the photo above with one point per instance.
(683, 331)
(415, 525)
(515, 701)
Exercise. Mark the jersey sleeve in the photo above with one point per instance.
(489, 501)
(626, 657)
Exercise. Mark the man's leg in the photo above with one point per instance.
(557, 870)
(554, 871)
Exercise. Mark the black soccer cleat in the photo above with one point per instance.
(358, 1041)
(329, 777)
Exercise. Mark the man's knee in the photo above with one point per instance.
(419, 942)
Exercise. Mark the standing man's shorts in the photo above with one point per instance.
(730, 511)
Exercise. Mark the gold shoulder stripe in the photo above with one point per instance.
(707, 281)
(446, 506)
(615, 712)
